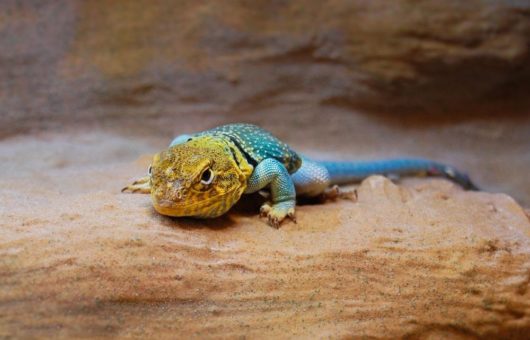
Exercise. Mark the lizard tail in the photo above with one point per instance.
(348, 172)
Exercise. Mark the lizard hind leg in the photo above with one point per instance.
(314, 180)
(140, 186)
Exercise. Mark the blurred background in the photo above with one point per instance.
(96, 83)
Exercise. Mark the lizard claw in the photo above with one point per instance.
(292, 216)
(336, 192)
(276, 213)
(141, 185)
(265, 209)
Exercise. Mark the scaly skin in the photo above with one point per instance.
(204, 174)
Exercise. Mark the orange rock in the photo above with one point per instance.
(421, 259)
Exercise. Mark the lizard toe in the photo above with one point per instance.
(141, 185)
(277, 213)
(265, 209)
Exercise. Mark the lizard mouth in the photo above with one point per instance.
(204, 208)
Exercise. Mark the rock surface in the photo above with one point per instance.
(419, 259)
(85, 60)
(110, 80)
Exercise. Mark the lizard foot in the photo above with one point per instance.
(140, 186)
(335, 192)
(276, 213)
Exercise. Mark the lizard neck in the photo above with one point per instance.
(242, 164)
(241, 161)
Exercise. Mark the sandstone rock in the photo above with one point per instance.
(423, 259)
(418, 259)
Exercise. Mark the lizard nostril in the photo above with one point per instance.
(178, 194)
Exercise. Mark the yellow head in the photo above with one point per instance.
(198, 178)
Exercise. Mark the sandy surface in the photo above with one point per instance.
(80, 259)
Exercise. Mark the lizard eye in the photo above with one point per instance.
(150, 170)
(207, 176)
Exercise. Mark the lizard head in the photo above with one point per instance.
(197, 178)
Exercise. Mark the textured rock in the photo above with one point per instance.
(419, 259)
(86, 60)
(79, 259)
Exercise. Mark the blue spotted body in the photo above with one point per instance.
(287, 174)
(258, 144)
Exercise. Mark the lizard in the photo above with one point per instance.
(204, 174)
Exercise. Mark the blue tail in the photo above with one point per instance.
(348, 172)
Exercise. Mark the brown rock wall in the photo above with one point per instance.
(71, 60)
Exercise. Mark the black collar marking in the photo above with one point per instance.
(247, 156)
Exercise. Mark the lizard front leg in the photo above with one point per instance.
(272, 173)
(141, 186)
